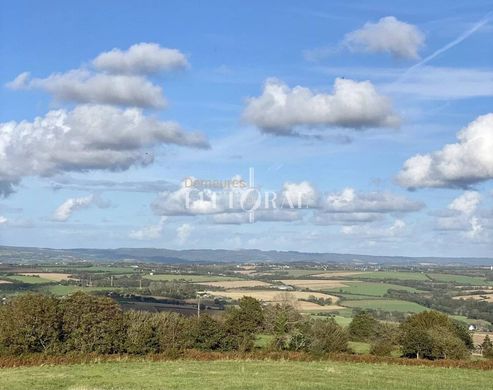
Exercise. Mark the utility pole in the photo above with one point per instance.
(200, 294)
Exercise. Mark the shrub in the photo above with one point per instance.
(362, 327)
(382, 347)
(207, 334)
(326, 336)
(92, 324)
(141, 332)
(30, 323)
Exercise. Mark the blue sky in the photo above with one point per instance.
(347, 106)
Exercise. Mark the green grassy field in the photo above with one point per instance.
(386, 304)
(62, 290)
(244, 375)
(94, 268)
(190, 278)
(370, 288)
(28, 279)
(392, 275)
(461, 279)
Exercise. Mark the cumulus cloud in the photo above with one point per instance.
(388, 35)
(141, 58)
(71, 205)
(458, 165)
(290, 204)
(464, 216)
(351, 201)
(263, 215)
(117, 78)
(467, 203)
(299, 195)
(282, 110)
(90, 137)
(86, 184)
(82, 86)
(151, 232)
(398, 228)
(3, 220)
(348, 218)
(183, 233)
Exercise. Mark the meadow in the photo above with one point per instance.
(370, 288)
(386, 305)
(191, 278)
(237, 374)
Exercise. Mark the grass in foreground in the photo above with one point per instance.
(267, 375)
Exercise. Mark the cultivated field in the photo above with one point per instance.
(476, 297)
(237, 284)
(315, 284)
(275, 296)
(229, 375)
(190, 278)
(462, 279)
(391, 275)
(53, 276)
(29, 279)
(337, 274)
(370, 288)
(386, 305)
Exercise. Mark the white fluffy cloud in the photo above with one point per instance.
(89, 137)
(264, 215)
(281, 110)
(117, 78)
(467, 203)
(67, 208)
(151, 232)
(141, 58)
(457, 165)
(351, 201)
(299, 195)
(82, 86)
(464, 216)
(388, 35)
(183, 233)
(3, 220)
(347, 207)
(397, 228)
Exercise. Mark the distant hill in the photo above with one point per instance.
(9, 254)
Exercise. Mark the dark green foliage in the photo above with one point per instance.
(381, 347)
(242, 323)
(363, 327)
(461, 331)
(141, 332)
(432, 335)
(281, 318)
(30, 323)
(487, 347)
(326, 336)
(208, 334)
(173, 331)
(92, 324)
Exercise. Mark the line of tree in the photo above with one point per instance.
(38, 323)
(82, 323)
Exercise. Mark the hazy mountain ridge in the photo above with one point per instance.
(31, 254)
